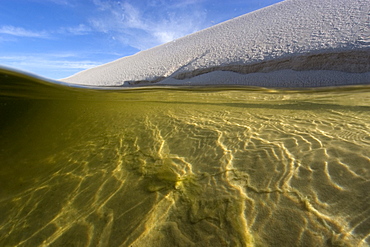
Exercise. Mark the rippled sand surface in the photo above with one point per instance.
(184, 167)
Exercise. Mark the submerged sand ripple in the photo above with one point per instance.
(293, 170)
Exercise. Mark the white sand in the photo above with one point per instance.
(295, 43)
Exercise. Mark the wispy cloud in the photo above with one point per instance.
(134, 24)
(54, 66)
(59, 2)
(139, 24)
(48, 61)
(140, 27)
(81, 29)
(21, 32)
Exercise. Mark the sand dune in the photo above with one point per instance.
(295, 43)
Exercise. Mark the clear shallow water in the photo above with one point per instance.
(183, 167)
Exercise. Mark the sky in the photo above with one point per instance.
(58, 38)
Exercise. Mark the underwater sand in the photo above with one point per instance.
(183, 166)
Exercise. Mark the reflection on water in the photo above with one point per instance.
(182, 167)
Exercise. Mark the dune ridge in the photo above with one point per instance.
(329, 36)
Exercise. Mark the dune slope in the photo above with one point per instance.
(295, 43)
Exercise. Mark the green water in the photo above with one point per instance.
(183, 167)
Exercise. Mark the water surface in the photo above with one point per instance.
(183, 166)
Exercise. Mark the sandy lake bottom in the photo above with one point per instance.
(184, 167)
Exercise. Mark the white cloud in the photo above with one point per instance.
(59, 2)
(48, 67)
(132, 17)
(142, 28)
(185, 3)
(47, 61)
(77, 30)
(102, 5)
(21, 32)
(56, 65)
(165, 36)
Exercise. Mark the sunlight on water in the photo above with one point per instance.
(183, 167)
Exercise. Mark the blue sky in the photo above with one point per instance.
(58, 38)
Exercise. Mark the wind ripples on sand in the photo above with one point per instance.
(188, 172)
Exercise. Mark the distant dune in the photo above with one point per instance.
(295, 43)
